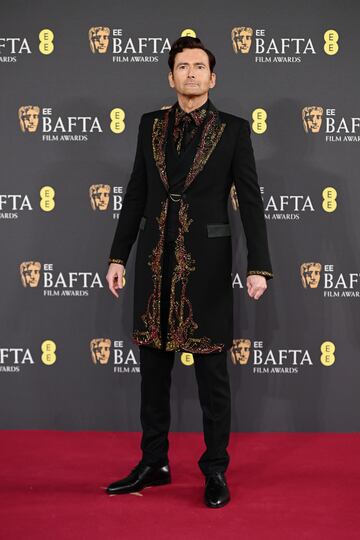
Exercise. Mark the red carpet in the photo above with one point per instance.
(283, 486)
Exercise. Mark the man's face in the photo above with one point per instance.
(191, 75)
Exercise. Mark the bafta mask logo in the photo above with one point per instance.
(99, 39)
(241, 37)
(99, 196)
(312, 118)
(240, 351)
(29, 118)
(30, 273)
(100, 350)
(310, 274)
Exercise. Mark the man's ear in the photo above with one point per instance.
(213, 80)
(171, 80)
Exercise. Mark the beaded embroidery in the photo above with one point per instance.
(118, 261)
(210, 136)
(260, 272)
(181, 324)
(151, 317)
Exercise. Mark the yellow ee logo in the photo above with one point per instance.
(187, 358)
(47, 194)
(259, 117)
(48, 356)
(117, 124)
(331, 42)
(329, 199)
(46, 38)
(327, 353)
(188, 32)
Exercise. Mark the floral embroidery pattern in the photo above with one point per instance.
(210, 136)
(151, 317)
(158, 144)
(181, 324)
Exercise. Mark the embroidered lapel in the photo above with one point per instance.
(210, 136)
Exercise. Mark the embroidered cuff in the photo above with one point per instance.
(118, 261)
(260, 273)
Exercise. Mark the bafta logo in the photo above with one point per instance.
(30, 273)
(310, 274)
(312, 118)
(241, 37)
(29, 118)
(100, 350)
(99, 39)
(240, 351)
(99, 196)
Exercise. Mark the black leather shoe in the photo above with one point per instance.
(140, 477)
(216, 490)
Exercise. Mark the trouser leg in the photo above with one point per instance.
(215, 400)
(155, 369)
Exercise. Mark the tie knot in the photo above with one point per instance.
(183, 117)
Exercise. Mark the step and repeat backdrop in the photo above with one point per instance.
(75, 79)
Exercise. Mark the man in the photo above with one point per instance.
(188, 157)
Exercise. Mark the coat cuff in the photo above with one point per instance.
(267, 275)
(118, 261)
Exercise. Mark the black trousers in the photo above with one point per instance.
(213, 388)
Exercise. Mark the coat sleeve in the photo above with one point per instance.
(251, 206)
(132, 207)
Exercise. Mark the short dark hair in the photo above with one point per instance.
(188, 42)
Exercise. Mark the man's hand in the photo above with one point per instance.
(256, 285)
(115, 277)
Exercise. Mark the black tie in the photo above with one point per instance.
(187, 124)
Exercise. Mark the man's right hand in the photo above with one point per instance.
(115, 277)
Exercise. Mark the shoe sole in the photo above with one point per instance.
(134, 490)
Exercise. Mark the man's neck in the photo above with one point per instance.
(191, 103)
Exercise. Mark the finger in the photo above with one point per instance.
(112, 287)
(113, 291)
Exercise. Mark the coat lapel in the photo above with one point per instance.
(210, 136)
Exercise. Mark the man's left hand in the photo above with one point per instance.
(256, 285)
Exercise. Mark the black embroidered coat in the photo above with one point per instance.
(201, 299)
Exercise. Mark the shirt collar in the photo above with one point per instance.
(197, 115)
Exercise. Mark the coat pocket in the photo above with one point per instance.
(142, 223)
(218, 229)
